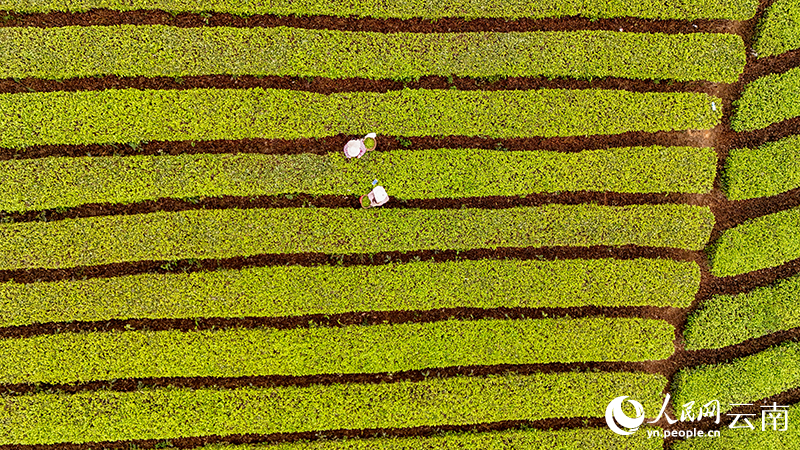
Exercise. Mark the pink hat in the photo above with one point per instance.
(354, 148)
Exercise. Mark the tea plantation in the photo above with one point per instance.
(588, 200)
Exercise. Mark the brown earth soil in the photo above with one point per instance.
(313, 259)
(727, 213)
(298, 200)
(443, 25)
(668, 314)
(330, 86)
(387, 143)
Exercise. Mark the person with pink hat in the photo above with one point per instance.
(356, 148)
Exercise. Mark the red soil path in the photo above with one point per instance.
(443, 25)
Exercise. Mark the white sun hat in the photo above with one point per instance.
(379, 195)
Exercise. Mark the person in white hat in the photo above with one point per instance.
(376, 197)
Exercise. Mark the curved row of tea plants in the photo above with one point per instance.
(131, 115)
(172, 413)
(527, 439)
(743, 380)
(730, 319)
(201, 234)
(405, 9)
(760, 243)
(158, 50)
(81, 357)
(31, 184)
(770, 169)
(767, 100)
(296, 290)
(779, 29)
(749, 439)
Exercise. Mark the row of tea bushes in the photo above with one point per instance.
(286, 291)
(770, 169)
(526, 439)
(741, 381)
(760, 243)
(356, 349)
(59, 182)
(168, 413)
(225, 233)
(131, 115)
(767, 100)
(779, 30)
(725, 320)
(158, 50)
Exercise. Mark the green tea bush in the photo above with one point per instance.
(730, 319)
(779, 30)
(82, 357)
(46, 183)
(767, 100)
(131, 115)
(531, 439)
(767, 241)
(158, 50)
(743, 380)
(165, 236)
(768, 170)
(296, 290)
(170, 413)
(405, 9)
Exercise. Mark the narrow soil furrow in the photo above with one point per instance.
(760, 67)
(730, 213)
(344, 201)
(133, 384)
(757, 138)
(746, 282)
(313, 259)
(691, 138)
(694, 358)
(194, 442)
(667, 314)
(330, 86)
(99, 17)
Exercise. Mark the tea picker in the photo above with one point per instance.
(356, 148)
(376, 197)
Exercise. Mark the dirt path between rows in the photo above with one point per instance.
(326, 86)
(314, 259)
(349, 202)
(107, 17)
